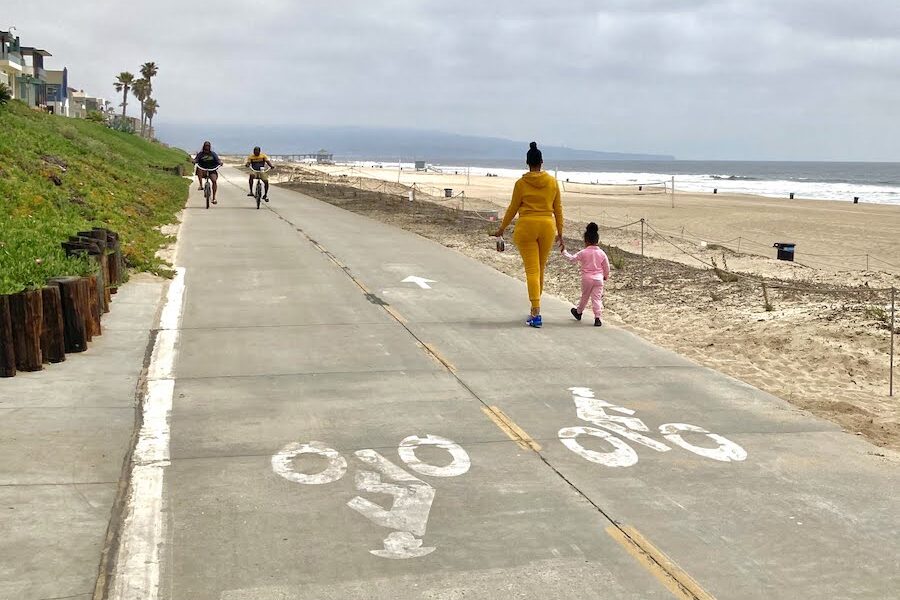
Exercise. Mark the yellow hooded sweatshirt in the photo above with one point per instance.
(536, 194)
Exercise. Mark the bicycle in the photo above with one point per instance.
(258, 190)
(207, 186)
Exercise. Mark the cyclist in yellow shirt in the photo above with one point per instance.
(256, 162)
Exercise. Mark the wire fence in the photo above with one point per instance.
(465, 206)
(862, 261)
(765, 285)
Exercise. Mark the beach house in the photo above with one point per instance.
(22, 70)
(11, 63)
(82, 104)
(57, 92)
(32, 83)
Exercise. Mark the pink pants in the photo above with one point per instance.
(591, 289)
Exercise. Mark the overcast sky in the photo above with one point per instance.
(704, 79)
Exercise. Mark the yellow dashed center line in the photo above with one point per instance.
(397, 316)
(673, 577)
(507, 426)
(439, 357)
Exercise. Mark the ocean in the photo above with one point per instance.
(871, 182)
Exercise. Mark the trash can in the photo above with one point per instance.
(785, 250)
(448, 192)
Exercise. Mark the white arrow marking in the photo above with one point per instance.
(419, 281)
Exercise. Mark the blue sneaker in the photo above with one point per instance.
(534, 321)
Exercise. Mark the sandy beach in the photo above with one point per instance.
(830, 235)
(818, 335)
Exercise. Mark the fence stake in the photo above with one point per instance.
(739, 243)
(893, 311)
(867, 262)
(642, 252)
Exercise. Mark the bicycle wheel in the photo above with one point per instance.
(207, 192)
(258, 193)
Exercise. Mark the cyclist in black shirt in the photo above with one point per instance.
(207, 159)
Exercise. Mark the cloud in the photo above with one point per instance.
(807, 79)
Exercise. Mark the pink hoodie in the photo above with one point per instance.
(594, 262)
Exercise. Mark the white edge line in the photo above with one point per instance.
(137, 569)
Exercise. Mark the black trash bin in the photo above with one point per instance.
(448, 192)
(785, 250)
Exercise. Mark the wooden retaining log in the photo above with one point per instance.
(113, 262)
(99, 236)
(7, 349)
(25, 312)
(116, 262)
(82, 245)
(95, 307)
(74, 324)
(101, 283)
(85, 303)
(53, 341)
(95, 250)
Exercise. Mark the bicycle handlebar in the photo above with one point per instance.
(213, 170)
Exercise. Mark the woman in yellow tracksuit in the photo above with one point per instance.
(536, 200)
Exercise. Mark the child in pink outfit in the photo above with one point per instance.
(594, 272)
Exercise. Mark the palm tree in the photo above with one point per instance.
(150, 107)
(123, 83)
(141, 90)
(148, 72)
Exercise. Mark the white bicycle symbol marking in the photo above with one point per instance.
(412, 497)
(594, 410)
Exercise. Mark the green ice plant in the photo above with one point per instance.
(61, 176)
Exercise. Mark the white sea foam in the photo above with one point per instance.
(706, 183)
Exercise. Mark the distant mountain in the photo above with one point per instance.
(365, 143)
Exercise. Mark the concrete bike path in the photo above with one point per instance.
(811, 511)
(415, 431)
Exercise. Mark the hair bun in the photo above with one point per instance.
(593, 227)
(533, 145)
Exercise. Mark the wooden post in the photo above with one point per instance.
(85, 302)
(25, 312)
(53, 342)
(107, 292)
(94, 302)
(99, 236)
(114, 276)
(116, 261)
(893, 329)
(7, 349)
(74, 325)
(84, 246)
(642, 252)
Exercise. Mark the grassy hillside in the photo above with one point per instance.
(59, 176)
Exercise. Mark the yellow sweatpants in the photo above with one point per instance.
(534, 237)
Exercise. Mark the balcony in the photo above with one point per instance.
(36, 73)
(11, 61)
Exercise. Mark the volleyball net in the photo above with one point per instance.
(615, 189)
